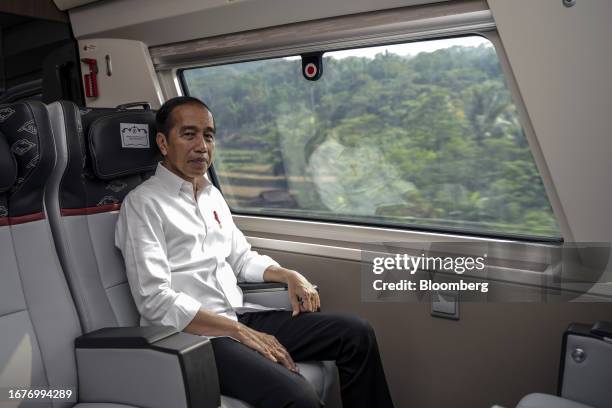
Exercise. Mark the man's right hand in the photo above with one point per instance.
(206, 323)
(265, 344)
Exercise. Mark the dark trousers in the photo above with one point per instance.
(349, 340)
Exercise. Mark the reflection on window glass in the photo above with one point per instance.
(419, 134)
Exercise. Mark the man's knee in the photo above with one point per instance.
(301, 395)
(357, 327)
(308, 399)
(359, 333)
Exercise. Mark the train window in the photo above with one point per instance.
(418, 135)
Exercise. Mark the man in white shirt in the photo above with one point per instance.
(184, 256)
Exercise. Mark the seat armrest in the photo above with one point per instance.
(124, 337)
(270, 294)
(249, 287)
(155, 367)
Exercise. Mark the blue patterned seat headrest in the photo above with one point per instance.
(8, 166)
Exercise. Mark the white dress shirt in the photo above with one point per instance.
(181, 254)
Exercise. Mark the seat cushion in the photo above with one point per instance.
(229, 402)
(537, 400)
(320, 374)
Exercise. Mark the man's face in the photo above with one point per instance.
(188, 147)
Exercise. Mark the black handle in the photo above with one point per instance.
(603, 329)
(125, 106)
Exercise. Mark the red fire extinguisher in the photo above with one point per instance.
(91, 79)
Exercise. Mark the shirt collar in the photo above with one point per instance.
(174, 183)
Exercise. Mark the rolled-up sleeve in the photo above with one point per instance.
(139, 235)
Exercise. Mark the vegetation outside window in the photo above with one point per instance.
(420, 134)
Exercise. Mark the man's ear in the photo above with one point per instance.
(162, 143)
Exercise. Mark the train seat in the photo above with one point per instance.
(586, 367)
(94, 174)
(38, 320)
(538, 400)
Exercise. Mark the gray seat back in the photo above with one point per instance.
(38, 321)
(99, 152)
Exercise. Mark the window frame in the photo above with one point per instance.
(491, 36)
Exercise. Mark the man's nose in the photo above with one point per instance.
(201, 145)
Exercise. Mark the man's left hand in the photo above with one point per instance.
(303, 295)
